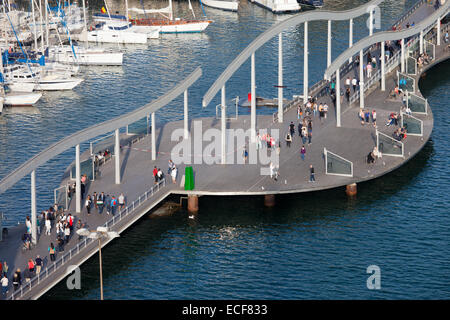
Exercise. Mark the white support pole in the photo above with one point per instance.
(421, 42)
(305, 65)
(350, 37)
(33, 208)
(126, 9)
(361, 79)
(253, 100)
(280, 78)
(383, 60)
(153, 136)
(223, 125)
(402, 58)
(438, 28)
(77, 179)
(329, 44)
(371, 22)
(186, 115)
(117, 155)
(338, 98)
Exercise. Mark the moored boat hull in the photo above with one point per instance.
(21, 99)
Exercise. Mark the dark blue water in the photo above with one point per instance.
(310, 246)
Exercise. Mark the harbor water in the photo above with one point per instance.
(309, 246)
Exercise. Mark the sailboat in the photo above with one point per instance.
(166, 25)
(113, 30)
(222, 4)
(84, 55)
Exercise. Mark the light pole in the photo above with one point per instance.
(101, 233)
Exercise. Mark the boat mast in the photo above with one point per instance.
(41, 22)
(126, 9)
(85, 21)
(34, 24)
(6, 32)
(171, 10)
(46, 23)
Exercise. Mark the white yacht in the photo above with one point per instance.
(114, 32)
(85, 56)
(45, 80)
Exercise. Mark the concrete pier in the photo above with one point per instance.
(269, 200)
(351, 190)
(192, 203)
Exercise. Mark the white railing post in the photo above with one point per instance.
(33, 208)
(329, 43)
(253, 101)
(305, 64)
(280, 77)
(383, 59)
(186, 121)
(117, 154)
(78, 179)
(223, 125)
(361, 79)
(338, 98)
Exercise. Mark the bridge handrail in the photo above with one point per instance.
(75, 251)
(395, 60)
(276, 29)
(385, 36)
(408, 13)
(96, 130)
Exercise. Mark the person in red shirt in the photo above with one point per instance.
(155, 174)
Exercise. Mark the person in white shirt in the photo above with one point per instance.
(48, 227)
(354, 83)
(173, 173)
(121, 201)
(5, 284)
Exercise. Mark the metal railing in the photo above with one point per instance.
(391, 64)
(408, 13)
(84, 243)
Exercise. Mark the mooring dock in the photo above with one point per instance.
(340, 141)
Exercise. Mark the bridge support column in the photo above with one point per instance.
(253, 101)
(223, 125)
(192, 203)
(350, 37)
(383, 60)
(329, 44)
(186, 115)
(280, 78)
(351, 190)
(371, 22)
(269, 200)
(361, 79)
(338, 98)
(402, 57)
(117, 156)
(78, 180)
(421, 42)
(438, 28)
(153, 137)
(33, 208)
(305, 65)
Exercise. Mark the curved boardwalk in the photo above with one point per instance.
(352, 141)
